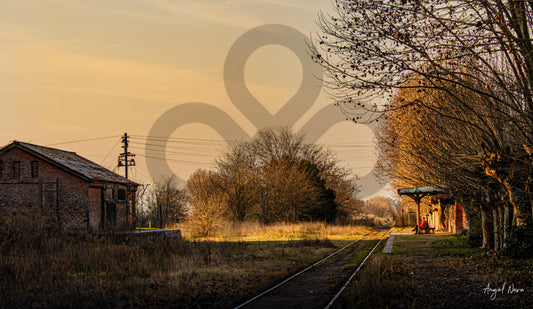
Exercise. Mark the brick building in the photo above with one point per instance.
(456, 218)
(82, 195)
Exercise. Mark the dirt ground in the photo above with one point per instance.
(440, 271)
(455, 277)
(423, 271)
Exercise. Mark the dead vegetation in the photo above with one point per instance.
(440, 271)
(42, 266)
(251, 231)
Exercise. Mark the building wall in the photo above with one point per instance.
(102, 196)
(95, 208)
(462, 222)
(456, 218)
(57, 193)
(77, 204)
(124, 217)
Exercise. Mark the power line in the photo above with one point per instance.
(174, 146)
(83, 140)
(347, 146)
(183, 139)
(173, 152)
(176, 160)
(107, 155)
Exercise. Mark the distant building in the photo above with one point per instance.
(444, 213)
(456, 218)
(82, 195)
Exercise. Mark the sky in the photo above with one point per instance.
(89, 71)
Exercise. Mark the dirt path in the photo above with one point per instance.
(451, 281)
(441, 271)
(312, 289)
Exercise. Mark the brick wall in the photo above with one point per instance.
(77, 204)
(124, 219)
(95, 208)
(56, 192)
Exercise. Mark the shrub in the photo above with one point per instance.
(520, 242)
(474, 237)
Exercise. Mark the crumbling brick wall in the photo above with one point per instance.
(58, 193)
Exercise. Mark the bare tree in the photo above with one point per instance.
(420, 147)
(468, 120)
(286, 192)
(380, 206)
(373, 48)
(207, 203)
(236, 179)
(278, 177)
(167, 203)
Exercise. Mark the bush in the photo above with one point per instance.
(520, 242)
(474, 237)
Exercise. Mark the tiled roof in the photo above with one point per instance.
(73, 162)
(430, 190)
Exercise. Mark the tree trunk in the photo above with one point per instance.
(487, 228)
(496, 229)
(521, 212)
(500, 226)
(507, 223)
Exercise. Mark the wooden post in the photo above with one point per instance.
(417, 200)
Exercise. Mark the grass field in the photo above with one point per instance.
(437, 271)
(41, 266)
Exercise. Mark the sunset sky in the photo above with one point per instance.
(79, 70)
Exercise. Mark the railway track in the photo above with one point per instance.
(256, 300)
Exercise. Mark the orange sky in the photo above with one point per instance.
(75, 70)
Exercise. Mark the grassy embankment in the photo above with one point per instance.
(428, 271)
(41, 266)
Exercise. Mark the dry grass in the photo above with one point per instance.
(438, 271)
(383, 283)
(41, 266)
(251, 231)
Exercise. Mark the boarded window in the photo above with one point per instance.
(111, 213)
(121, 194)
(15, 170)
(34, 169)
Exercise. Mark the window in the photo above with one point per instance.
(1, 169)
(121, 194)
(15, 170)
(34, 169)
(111, 213)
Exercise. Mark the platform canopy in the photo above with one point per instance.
(418, 193)
(425, 191)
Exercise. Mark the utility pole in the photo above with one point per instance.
(126, 158)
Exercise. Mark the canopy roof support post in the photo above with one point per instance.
(417, 200)
(417, 197)
(417, 194)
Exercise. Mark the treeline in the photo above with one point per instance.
(457, 78)
(275, 177)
